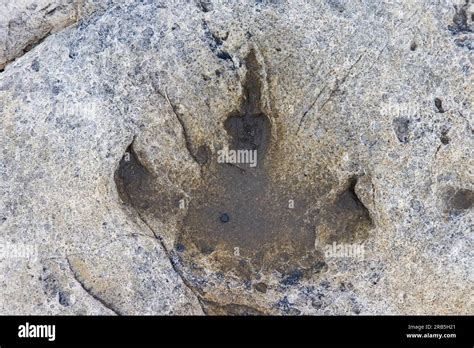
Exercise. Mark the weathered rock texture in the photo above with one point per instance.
(361, 114)
(25, 23)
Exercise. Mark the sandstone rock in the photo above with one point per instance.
(111, 131)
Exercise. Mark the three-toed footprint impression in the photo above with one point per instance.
(243, 220)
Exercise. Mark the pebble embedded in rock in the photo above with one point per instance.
(224, 218)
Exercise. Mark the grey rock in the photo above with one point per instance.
(23, 24)
(109, 178)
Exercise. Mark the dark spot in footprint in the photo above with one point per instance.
(203, 154)
(261, 287)
(205, 248)
(224, 218)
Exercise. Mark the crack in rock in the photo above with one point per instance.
(90, 290)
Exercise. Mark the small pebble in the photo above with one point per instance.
(224, 218)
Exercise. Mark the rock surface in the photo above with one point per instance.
(361, 114)
(25, 23)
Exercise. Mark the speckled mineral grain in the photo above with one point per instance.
(113, 199)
